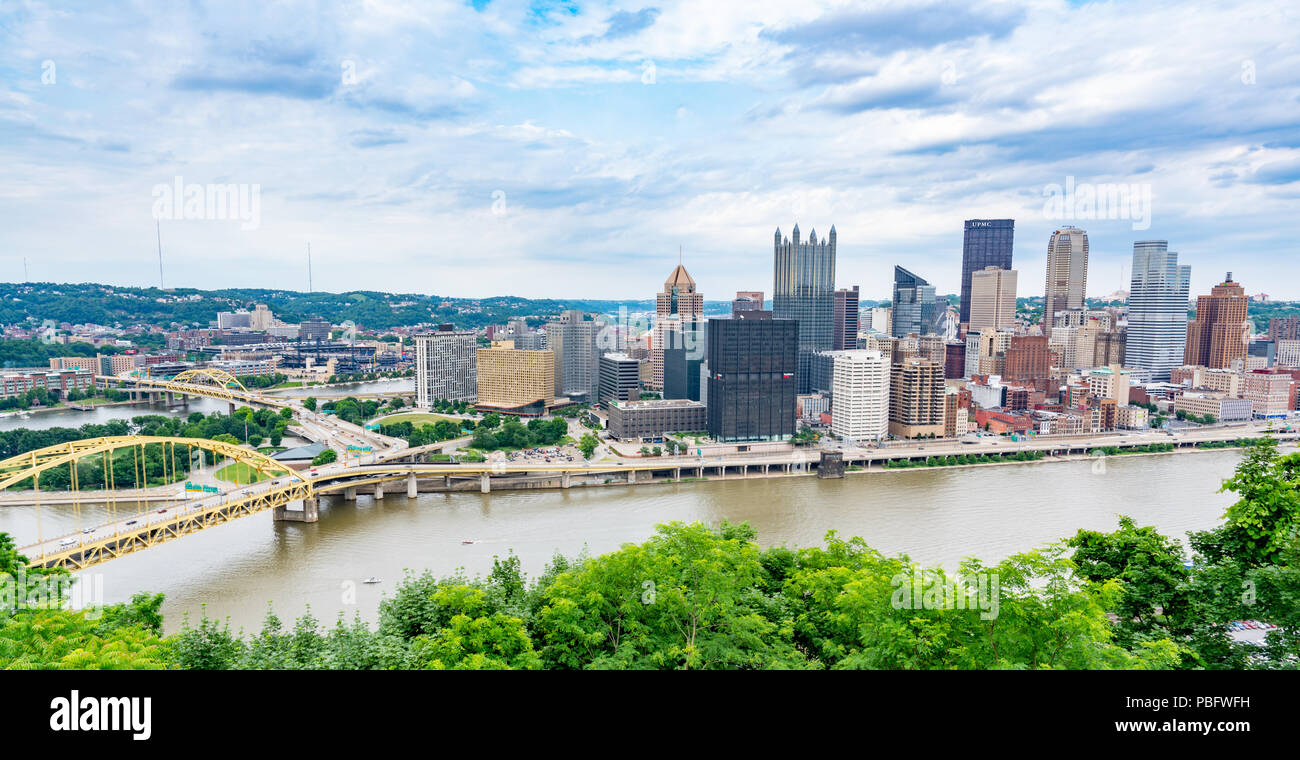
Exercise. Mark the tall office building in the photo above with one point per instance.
(620, 378)
(677, 305)
(747, 300)
(916, 391)
(1067, 272)
(846, 319)
(1157, 310)
(987, 243)
(861, 395)
(993, 299)
(804, 291)
(572, 340)
(752, 361)
(684, 351)
(445, 366)
(915, 309)
(1220, 332)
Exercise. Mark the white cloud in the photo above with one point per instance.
(760, 114)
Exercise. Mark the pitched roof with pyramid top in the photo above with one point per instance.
(680, 279)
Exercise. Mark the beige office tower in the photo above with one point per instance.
(986, 351)
(519, 382)
(992, 299)
(676, 305)
(916, 407)
(1067, 272)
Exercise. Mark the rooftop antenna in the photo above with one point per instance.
(25, 277)
(679, 255)
(158, 229)
(309, 266)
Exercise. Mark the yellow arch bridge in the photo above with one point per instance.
(103, 485)
(209, 382)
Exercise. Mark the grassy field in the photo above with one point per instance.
(415, 418)
(239, 473)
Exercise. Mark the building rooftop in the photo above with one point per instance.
(656, 403)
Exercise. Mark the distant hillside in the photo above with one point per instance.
(91, 303)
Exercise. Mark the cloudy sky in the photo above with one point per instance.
(568, 149)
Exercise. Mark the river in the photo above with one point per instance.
(935, 516)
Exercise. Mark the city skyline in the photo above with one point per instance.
(553, 139)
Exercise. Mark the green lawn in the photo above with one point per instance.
(239, 473)
(415, 418)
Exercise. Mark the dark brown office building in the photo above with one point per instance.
(954, 360)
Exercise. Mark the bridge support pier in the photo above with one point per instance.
(350, 494)
(379, 491)
(232, 408)
(677, 475)
(309, 513)
(565, 480)
(485, 483)
(446, 482)
(412, 488)
(631, 477)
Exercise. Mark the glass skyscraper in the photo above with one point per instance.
(1157, 310)
(751, 384)
(915, 309)
(987, 243)
(804, 274)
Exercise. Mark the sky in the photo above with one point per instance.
(571, 149)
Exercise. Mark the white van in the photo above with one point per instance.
(68, 542)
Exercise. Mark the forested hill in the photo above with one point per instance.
(189, 307)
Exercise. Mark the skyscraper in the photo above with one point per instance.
(987, 243)
(1067, 272)
(445, 366)
(861, 395)
(993, 299)
(804, 290)
(846, 319)
(572, 339)
(916, 391)
(675, 305)
(752, 361)
(1157, 309)
(1220, 331)
(620, 378)
(915, 309)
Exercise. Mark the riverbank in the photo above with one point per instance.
(64, 407)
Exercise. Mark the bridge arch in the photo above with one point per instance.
(209, 376)
(31, 464)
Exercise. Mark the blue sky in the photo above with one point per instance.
(567, 149)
